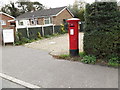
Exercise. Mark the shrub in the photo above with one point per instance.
(39, 35)
(19, 35)
(102, 28)
(47, 36)
(114, 61)
(82, 54)
(62, 28)
(24, 40)
(89, 59)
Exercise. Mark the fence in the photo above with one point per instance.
(82, 26)
(31, 32)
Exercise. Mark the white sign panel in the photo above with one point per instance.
(71, 31)
(8, 35)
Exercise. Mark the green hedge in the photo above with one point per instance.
(102, 28)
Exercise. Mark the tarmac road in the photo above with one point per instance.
(39, 68)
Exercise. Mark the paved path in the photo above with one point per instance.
(39, 68)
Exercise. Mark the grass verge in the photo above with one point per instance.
(89, 59)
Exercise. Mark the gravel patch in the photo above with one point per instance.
(56, 45)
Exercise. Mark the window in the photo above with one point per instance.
(12, 23)
(36, 21)
(2, 22)
(20, 22)
(32, 21)
(48, 20)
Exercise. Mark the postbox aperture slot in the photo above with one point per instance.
(72, 25)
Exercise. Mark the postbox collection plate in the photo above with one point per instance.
(71, 31)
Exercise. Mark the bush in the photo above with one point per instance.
(82, 54)
(114, 61)
(47, 36)
(102, 28)
(62, 29)
(39, 35)
(24, 40)
(89, 59)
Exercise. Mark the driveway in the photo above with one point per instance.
(39, 68)
(56, 45)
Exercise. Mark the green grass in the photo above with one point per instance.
(63, 56)
(88, 59)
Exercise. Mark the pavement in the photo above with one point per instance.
(37, 67)
(9, 84)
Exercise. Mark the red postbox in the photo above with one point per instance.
(73, 36)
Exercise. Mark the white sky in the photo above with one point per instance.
(50, 3)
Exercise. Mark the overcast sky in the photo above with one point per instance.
(49, 3)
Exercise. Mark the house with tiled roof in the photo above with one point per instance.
(7, 22)
(54, 16)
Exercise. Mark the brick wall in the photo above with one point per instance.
(41, 21)
(63, 15)
(57, 20)
(6, 18)
(7, 26)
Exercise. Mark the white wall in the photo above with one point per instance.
(25, 22)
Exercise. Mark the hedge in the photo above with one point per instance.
(102, 28)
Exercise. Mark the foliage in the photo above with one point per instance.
(62, 28)
(89, 59)
(102, 28)
(24, 40)
(47, 36)
(20, 7)
(28, 6)
(78, 9)
(64, 56)
(82, 54)
(11, 9)
(39, 35)
(114, 61)
(81, 15)
(19, 35)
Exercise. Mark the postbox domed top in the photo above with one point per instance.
(73, 19)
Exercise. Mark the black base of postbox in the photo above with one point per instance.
(74, 52)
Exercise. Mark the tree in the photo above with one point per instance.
(11, 9)
(78, 9)
(20, 7)
(27, 6)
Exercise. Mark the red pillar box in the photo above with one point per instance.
(73, 36)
